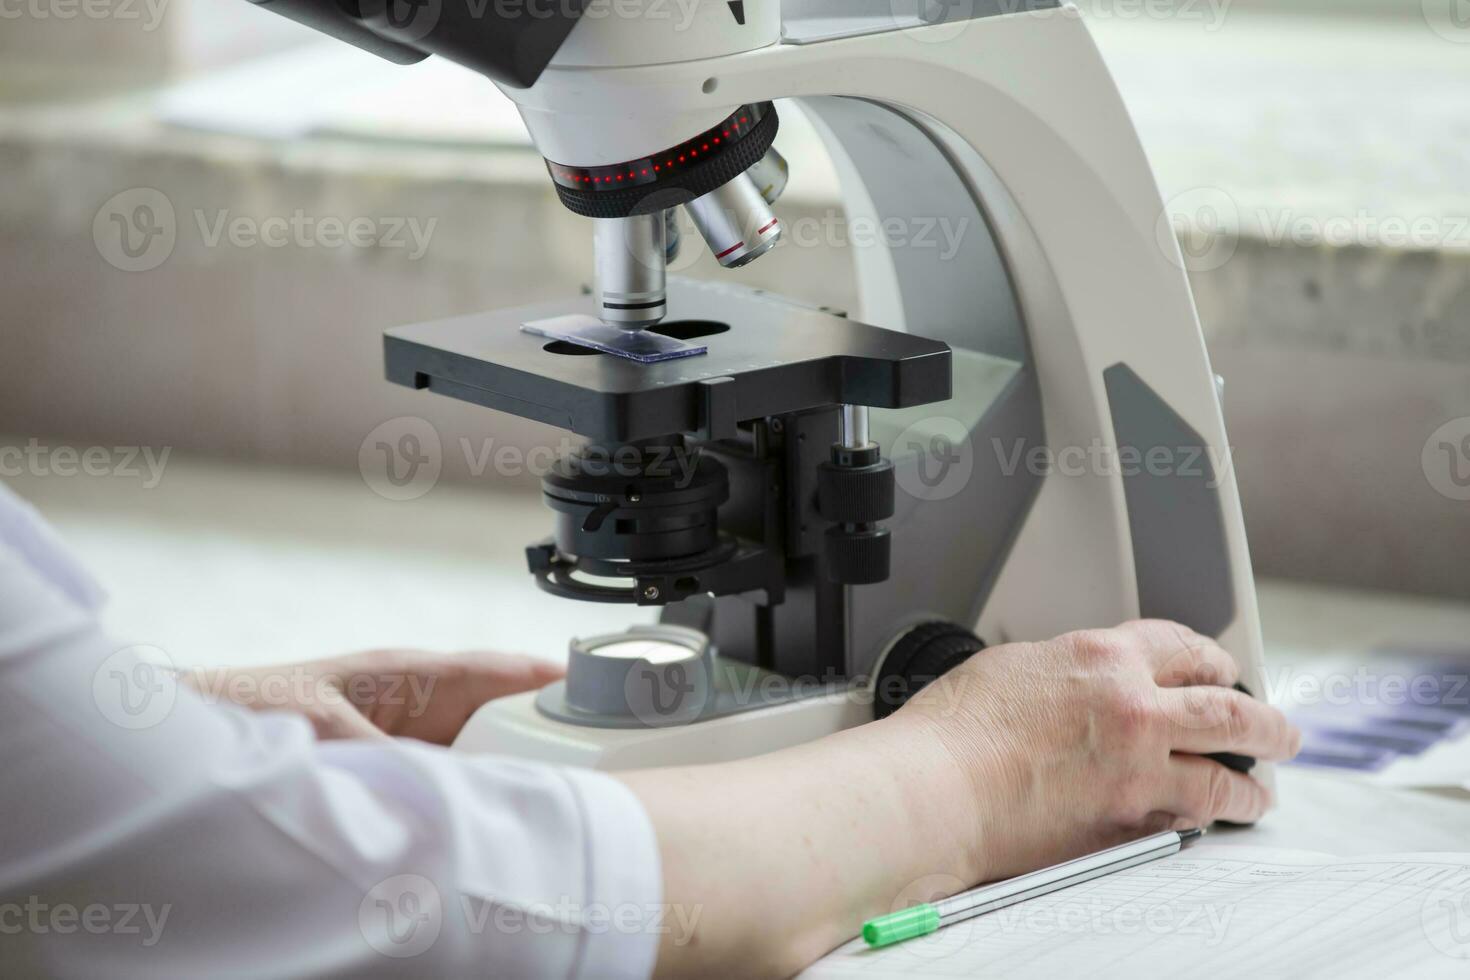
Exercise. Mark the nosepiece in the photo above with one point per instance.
(735, 221)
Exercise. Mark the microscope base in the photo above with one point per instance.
(512, 726)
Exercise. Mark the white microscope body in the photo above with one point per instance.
(1042, 392)
(1070, 269)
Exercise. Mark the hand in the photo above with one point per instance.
(409, 693)
(1026, 755)
(1096, 738)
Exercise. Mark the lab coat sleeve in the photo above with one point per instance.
(149, 833)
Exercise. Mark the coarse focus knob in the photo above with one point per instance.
(920, 656)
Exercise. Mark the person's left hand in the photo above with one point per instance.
(410, 693)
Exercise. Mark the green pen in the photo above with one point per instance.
(920, 920)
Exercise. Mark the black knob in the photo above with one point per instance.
(855, 492)
(858, 556)
(921, 655)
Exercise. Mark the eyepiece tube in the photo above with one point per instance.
(630, 259)
(735, 221)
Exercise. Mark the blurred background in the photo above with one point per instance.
(1314, 155)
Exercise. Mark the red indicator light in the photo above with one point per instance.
(743, 120)
(705, 147)
(727, 134)
(717, 139)
(681, 158)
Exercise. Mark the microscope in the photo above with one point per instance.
(1006, 441)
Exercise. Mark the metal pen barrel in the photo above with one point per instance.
(1028, 886)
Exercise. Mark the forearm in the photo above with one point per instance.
(784, 855)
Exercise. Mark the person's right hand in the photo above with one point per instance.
(1096, 738)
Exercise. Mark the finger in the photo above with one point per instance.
(1218, 719)
(488, 675)
(1202, 791)
(341, 720)
(1181, 657)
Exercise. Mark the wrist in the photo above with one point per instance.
(944, 803)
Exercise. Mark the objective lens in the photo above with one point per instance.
(735, 221)
(770, 174)
(630, 256)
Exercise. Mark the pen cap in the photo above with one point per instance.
(904, 924)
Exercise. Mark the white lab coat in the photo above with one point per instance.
(146, 833)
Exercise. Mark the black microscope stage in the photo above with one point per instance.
(767, 356)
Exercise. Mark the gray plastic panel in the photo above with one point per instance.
(1179, 547)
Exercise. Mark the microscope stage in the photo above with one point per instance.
(767, 356)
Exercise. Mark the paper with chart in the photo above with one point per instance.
(1211, 911)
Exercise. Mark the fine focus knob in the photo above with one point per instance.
(921, 655)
